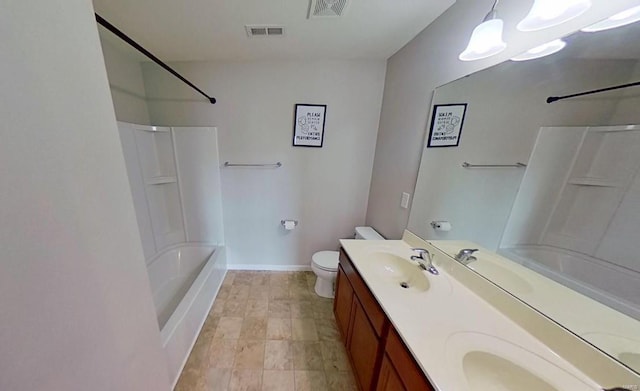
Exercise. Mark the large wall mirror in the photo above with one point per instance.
(568, 224)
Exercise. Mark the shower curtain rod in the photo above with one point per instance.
(552, 99)
(147, 53)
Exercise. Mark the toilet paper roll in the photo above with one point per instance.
(289, 225)
(442, 226)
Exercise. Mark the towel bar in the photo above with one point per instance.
(517, 165)
(274, 165)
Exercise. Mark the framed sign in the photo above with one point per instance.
(446, 125)
(308, 125)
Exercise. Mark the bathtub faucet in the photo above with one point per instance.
(465, 256)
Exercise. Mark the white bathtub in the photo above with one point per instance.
(614, 286)
(184, 281)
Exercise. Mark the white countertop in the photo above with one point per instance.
(450, 329)
(588, 318)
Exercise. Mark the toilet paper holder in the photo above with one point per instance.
(295, 222)
(442, 225)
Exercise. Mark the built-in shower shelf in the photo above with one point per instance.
(593, 181)
(161, 180)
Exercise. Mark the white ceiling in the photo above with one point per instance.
(200, 30)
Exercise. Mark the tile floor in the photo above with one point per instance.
(268, 331)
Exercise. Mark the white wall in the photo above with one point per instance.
(428, 61)
(126, 83)
(76, 306)
(325, 189)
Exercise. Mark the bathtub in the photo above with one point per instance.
(614, 286)
(184, 282)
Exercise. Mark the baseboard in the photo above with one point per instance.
(278, 268)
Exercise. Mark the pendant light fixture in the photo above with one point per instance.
(623, 18)
(549, 13)
(486, 39)
(541, 51)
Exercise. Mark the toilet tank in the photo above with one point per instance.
(367, 233)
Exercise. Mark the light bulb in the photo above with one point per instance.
(549, 13)
(623, 18)
(486, 41)
(547, 49)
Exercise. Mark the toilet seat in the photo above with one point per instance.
(326, 260)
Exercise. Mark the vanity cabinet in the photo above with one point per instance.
(379, 358)
(353, 316)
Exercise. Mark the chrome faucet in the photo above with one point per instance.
(420, 259)
(465, 256)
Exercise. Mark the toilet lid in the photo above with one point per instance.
(327, 260)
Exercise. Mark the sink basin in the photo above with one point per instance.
(485, 371)
(486, 363)
(398, 271)
(501, 276)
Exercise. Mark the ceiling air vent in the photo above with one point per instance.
(264, 30)
(327, 8)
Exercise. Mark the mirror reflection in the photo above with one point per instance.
(571, 220)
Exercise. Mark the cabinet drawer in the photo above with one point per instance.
(369, 304)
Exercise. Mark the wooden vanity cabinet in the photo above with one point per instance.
(361, 322)
(342, 304)
(379, 359)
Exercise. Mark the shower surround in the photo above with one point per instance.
(175, 184)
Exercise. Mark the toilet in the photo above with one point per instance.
(325, 263)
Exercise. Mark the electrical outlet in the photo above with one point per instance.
(404, 204)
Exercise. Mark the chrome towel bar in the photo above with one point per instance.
(517, 165)
(274, 165)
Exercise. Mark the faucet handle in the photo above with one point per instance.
(467, 251)
(420, 257)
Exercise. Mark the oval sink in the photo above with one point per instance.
(398, 271)
(488, 363)
(485, 371)
(501, 276)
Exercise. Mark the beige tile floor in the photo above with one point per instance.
(268, 331)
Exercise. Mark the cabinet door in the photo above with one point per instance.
(389, 379)
(406, 368)
(342, 303)
(363, 346)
